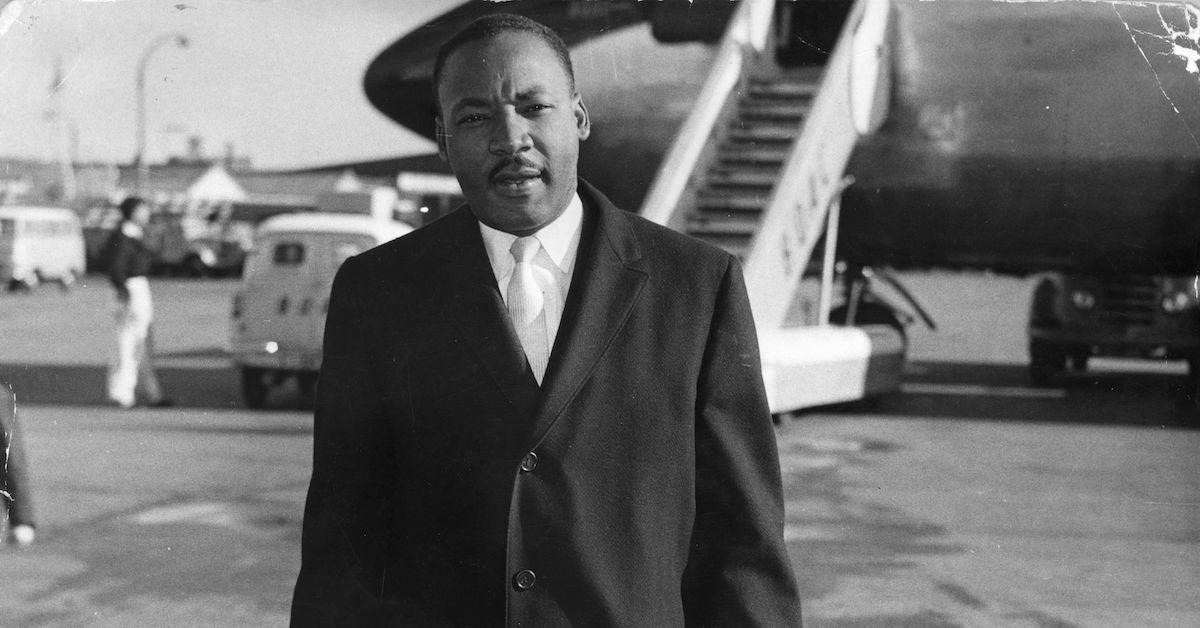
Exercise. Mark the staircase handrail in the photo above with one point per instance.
(747, 34)
(811, 178)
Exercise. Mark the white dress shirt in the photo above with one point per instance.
(553, 266)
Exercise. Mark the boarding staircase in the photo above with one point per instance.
(739, 183)
(757, 169)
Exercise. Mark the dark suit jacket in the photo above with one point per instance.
(640, 486)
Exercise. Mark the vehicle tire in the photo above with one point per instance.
(1046, 361)
(19, 285)
(307, 383)
(1079, 360)
(254, 387)
(66, 281)
(1186, 396)
(194, 267)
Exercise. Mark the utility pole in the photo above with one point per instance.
(180, 40)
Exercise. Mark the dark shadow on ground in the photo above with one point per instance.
(83, 385)
(846, 537)
(1003, 391)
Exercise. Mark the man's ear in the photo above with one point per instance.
(582, 122)
(439, 133)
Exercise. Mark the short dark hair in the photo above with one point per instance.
(130, 205)
(490, 26)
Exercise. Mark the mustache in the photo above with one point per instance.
(515, 162)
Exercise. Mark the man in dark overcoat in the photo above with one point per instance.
(539, 410)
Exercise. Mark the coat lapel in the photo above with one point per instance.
(476, 312)
(606, 285)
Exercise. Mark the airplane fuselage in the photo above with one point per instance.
(1021, 137)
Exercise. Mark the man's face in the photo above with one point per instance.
(510, 126)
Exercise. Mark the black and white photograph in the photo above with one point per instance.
(833, 313)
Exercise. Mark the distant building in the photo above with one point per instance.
(35, 182)
(200, 191)
(182, 188)
(303, 187)
(426, 189)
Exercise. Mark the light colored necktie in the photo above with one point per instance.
(527, 305)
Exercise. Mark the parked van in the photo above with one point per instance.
(40, 244)
(278, 316)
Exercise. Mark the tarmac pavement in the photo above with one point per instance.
(970, 499)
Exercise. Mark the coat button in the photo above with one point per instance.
(524, 580)
(529, 462)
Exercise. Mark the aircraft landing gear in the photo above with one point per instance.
(1079, 359)
(254, 387)
(864, 306)
(1046, 362)
(1186, 398)
(307, 383)
(869, 313)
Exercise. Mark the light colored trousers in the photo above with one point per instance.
(133, 362)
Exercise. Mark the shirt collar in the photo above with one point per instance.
(132, 229)
(560, 240)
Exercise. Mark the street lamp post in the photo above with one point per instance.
(139, 158)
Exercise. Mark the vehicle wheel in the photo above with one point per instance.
(1046, 361)
(1079, 360)
(19, 285)
(1186, 398)
(194, 267)
(307, 382)
(254, 387)
(66, 281)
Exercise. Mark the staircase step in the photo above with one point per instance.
(751, 110)
(780, 101)
(764, 133)
(741, 178)
(741, 174)
(783, 88)
(708, 201)
(736, 153)
(731, 224)
(735, 191)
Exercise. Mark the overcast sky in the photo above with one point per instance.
(279, 79)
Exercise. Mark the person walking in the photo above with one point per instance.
(129, 262)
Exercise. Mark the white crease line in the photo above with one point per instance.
(975, 390)
(1157, 79)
